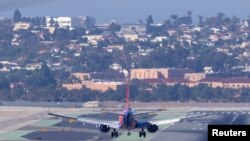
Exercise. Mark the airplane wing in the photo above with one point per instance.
(172, 121)
(110, 112)
(111, 124)
(150, 111)
(135, 114)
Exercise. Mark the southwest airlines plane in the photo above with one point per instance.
(127, 120)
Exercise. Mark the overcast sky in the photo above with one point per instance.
(125, 10)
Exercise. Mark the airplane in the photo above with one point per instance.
(127, 120)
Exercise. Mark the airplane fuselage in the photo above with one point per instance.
(127, 120)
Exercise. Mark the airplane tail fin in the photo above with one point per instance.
(127, 93)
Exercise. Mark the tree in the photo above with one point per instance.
(220, 17)
(42, 78)
(6, 33)
(114, 27)
(4, 83)
(189, 13)
(60, 34)
(174, 17)
(17, 16)
(150, 20)
(51, 22)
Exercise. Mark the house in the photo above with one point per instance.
(81, 76)
(50, 29)
(111, 48)
(93, 39)
(215, 30)
(33, 66)
(159, 39)
(213, 37)
(116, 67)
(208, 70)
(130, 37)
(21, 25)
(172, 32)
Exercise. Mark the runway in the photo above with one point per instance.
(54, 129)
(196, 129)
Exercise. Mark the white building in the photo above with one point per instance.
(68, 22)
(208, 70)
(21, 25)
(63, 22)
(133, 29)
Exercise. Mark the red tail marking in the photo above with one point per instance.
(127, 94)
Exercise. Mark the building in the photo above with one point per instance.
(33, 66)
(130, 37)
(208, 70)
(103, 86)
(63, 22)
(194, 77)
(93, 39)
(97, 86)
(21, 25)
(131, 29)
(232, 83)
(157, 73)
(73, 86)
(88, 22)
(81, 76)
(111, 48)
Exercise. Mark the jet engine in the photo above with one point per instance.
(152, 128)
(104, 128)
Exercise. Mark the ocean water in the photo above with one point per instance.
(124, 11)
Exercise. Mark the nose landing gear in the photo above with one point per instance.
(142, 133)
(114, 133)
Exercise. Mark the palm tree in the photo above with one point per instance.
(220, 16)
(189, 13)
(174, 17)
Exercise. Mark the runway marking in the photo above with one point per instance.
(234, 118)
(194, 128)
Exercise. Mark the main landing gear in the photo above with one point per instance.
(114, 133)
(142, 133)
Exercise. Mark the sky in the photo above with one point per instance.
(125, 11)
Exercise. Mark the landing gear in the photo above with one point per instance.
(114, 133)
(142, 133)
